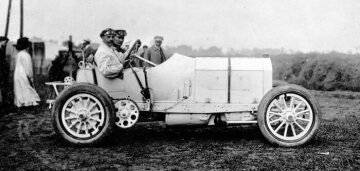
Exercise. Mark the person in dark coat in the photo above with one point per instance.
(4, 72)
(155, 53)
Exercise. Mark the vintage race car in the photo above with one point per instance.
(208, 91)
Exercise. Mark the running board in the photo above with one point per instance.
(241, 122)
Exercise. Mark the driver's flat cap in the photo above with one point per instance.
(106, 32)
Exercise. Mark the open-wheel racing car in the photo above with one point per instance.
(208, 91)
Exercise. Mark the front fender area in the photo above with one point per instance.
(75, 85)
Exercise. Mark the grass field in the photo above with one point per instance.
(25, 143)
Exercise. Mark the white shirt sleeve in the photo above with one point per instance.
(109, 66)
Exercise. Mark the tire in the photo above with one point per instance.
(290, 125)
(83, 114)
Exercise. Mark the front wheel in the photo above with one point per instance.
(288, 116)
(83, 114)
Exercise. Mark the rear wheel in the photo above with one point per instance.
(83, 114)
(288, 116)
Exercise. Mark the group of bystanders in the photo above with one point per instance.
(109, 58)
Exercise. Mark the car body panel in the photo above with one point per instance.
(186, 84)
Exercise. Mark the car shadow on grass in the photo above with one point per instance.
(184, 134)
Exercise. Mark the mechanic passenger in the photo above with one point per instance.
(119, 40)
(155, 53)
(108, 61)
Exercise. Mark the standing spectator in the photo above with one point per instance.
(4, 72)
(145, 47)
(155, 53)
(25, 93)
(141, 63)
(89, 51)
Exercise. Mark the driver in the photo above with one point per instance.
(109, 62)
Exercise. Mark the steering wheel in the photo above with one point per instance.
(132, 52)
(134, 47)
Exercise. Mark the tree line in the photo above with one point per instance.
(314, 70)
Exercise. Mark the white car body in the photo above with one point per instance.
(187, 91)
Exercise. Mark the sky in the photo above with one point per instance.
(308, 25)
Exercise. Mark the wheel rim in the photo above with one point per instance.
(83, 116)
(289, 117)
(127, 113)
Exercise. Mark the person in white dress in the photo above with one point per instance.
(25, 93)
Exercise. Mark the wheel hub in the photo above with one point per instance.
(289, 116)
(83, 115)
(124, 113)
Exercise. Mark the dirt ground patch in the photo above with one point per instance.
(26, 144)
